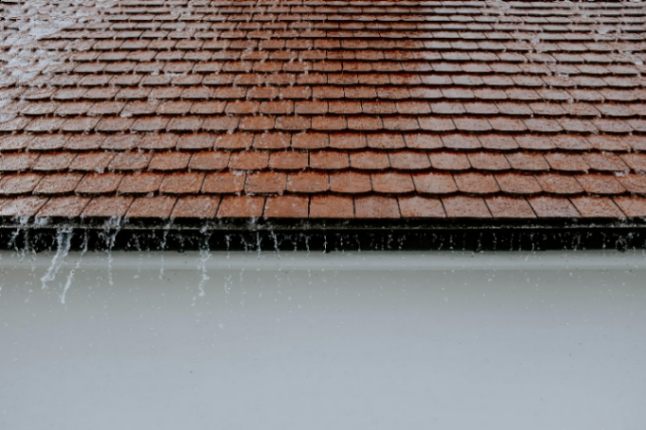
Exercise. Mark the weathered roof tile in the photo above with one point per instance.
(151, 207)
(510, 207)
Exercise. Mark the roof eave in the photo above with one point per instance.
(322, 234)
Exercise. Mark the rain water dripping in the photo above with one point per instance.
(63, 244)
(162, 247)
(22, 223)
(205, 256)
(77, 265)
(111, 228)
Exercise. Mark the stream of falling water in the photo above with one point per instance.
(63, 243)
(77, 265)
(111, 229)
(61, 272)
(205, 255)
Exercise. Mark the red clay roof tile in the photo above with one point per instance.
(516, 183)
(241, 207)
(106, 183)
(209, 160)
(597, 207)
(223, 183)
(421, 207)
(58, 183)
(329, 160)
(465, 207)
(350, 183)
(140, 183)
(18, 184)
(434, 183)
(376, 207)
(553, 207)
(308, 182)
(600, 184)
(196, 207)
(66, 207)
(287, 207)
(106, 207)
(509, 207)
(182, 183)
(332, 207)
(634, 183)
(151, 207)
(265, 183)
(21, 206)
(559, 184)
(632, 206)
(476, 183)
(392, 183)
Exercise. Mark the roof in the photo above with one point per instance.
(304, 109)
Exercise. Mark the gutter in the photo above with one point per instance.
(45, 234)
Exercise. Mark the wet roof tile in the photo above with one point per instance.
(313, 109)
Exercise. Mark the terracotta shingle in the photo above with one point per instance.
(632, 206)
(99, 184)
(465, 207)
(184, 183)
(376, 207)
(350, 182)
(63, 207)
(330, 206)
(513, 183)
(196, 207)
(21, 206)
(287, 207)
(476, 183)
(143, 183)
(106, 207)
(209, 160)
(224, 182)
(392, 183)
(421, 207)
(266, 182)
(18, 184)
(509, 207)
(434, 183)
(59, 183)
(151, 207)
(553, 207)
(597, 207)
(559, 184)
(308, 182)
(329, 160)
(241, 207)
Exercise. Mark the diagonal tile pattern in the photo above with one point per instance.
(319, 109)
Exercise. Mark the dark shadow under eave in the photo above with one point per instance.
(320, 235)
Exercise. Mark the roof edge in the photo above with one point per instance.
(104, 234)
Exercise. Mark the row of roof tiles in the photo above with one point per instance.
(316, 141)
(326, 207)
(316, 183)
(322, 160)
(196, 123)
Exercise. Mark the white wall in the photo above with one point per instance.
(342, 341)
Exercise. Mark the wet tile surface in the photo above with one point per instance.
(298, 109)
